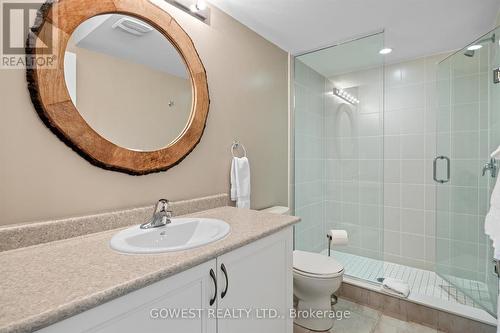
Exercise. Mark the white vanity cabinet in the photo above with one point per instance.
(260, 280)
(136, 311)
(257, 276)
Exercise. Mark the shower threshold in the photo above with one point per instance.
(427, 287)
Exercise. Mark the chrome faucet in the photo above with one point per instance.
(492, 167)
(161, 216)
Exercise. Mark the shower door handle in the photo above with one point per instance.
(434, 169)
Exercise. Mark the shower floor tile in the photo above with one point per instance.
(421, 281)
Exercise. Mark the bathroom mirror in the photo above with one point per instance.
(128, 82)
(127, 89)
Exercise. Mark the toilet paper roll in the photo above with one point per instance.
(339, 237)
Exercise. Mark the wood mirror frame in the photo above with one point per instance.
(53, 104)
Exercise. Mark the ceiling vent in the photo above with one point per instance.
(131, 26)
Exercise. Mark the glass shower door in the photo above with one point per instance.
(338, 155)
(468, 120)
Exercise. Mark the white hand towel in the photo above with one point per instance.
(496, 153)
(233, 179)
(240, 182)
(399, 287)
(492, 222)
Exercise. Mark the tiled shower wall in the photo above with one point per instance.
(409, 148)
(309, 158)
(354, 162)
(387, 203)
(366, 168)
(465, 115)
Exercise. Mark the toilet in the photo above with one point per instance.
(315, 278)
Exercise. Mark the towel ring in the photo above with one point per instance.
(236, 145)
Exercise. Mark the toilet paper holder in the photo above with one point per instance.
(329, 243)
(340, 236)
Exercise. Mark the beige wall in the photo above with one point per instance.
(41, 178)
(140, 117)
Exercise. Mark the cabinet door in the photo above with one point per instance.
(147, 309)
(259, 277)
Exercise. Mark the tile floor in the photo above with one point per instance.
(421, 281)
(367, 320)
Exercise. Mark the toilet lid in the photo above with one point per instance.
(315, 263)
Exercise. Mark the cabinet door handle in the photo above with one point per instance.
(223, 269)
(212, 275)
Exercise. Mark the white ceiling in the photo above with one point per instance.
(413, 28)
(349, 57)
(151, 49)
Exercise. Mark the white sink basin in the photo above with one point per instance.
(180, 234)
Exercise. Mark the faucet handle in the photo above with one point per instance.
(164, 217)
(492, 167)
(161, 215)
(162, 205)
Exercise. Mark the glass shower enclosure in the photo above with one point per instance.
(338, 149)
(468, 130)
(341, 158)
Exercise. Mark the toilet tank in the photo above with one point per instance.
(280, 210)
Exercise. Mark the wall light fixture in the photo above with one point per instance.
(196, 8)
(341, 93)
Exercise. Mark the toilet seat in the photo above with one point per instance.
(315, 265)
(317, 276)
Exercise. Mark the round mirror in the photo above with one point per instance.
(128, 82)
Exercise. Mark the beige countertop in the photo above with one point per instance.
(43, 284)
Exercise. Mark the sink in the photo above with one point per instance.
(180, 234)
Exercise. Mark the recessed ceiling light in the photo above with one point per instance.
(385, 51)
(474, 47)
